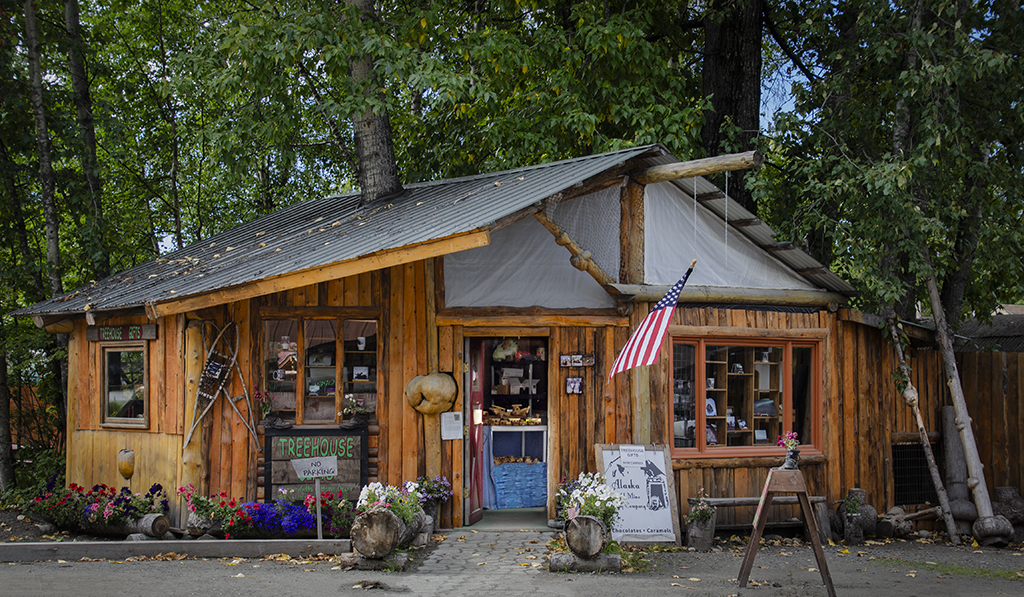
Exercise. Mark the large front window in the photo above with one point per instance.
(734, 397)
(318, 370)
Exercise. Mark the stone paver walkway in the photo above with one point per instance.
(497, 563)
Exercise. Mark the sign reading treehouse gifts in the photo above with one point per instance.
(348, 447)
(642, 475)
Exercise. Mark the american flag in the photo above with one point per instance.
(645, 343)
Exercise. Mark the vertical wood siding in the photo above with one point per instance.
(860, 407)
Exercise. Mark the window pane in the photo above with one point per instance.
(768, 385)
(360, 365)
(684, 405)
(803, 384)
(281, 361)
(319, 387)
(126, 394)
(743, 397)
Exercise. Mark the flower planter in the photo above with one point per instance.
(700, 534)
(198, 526)
(430, 509)
(377, 533)
(586, 536)
(853, 532)
(792, 460)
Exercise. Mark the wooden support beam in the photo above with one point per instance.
(382, 260)
(713, 195)
(786, 246)
(581, 258)
(747, 222)
(728, 295)
(713, 165)
(631, 234)
(54, 325)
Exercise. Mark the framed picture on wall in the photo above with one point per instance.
(574, 385)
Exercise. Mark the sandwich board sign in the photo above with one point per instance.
(643, 475)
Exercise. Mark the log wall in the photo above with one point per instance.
(860, 406)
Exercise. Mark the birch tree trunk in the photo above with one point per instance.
(94, 227)
(988, 529)
(47, 180)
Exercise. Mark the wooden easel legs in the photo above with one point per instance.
(785, 481)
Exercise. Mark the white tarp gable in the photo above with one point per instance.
(672, 241)
(522, 267)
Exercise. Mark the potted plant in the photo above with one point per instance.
(853, 532)
(354, 412)
(790, 441)
(433, 492)
(262, 400)
(700, 523)
(386, 517)
(591, 508)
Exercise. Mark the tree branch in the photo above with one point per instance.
(786, 49)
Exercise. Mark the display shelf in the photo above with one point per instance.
(516, 382)
(746, 394)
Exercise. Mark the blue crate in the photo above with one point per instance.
(520, 485)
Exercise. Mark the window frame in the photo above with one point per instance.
(787, 344)
(106, 420)
(339, 318)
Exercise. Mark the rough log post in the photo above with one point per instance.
(722, 163)
(375, 534)
(910, 396)
(631, 234)
(963, 510)
(988, 529)
(192, 455)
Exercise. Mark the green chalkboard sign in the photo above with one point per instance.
(282, 446)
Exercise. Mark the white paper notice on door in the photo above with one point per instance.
(451, 425)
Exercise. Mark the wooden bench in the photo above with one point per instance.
(817, 502)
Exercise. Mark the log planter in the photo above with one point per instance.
(700, 534)
(377, 533)
(152, 525)
(586, 536)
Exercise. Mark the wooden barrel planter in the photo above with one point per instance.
(376, 534)
(586, 536)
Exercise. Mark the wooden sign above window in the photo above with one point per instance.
(120, 333)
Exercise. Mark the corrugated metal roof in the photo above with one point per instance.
(329, 230)
(1005, 333)
(335, 229)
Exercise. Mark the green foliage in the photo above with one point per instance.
(34, 471)
(403, 501)
(701, 511)
(906, 147)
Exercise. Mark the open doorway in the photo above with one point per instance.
(508, 440)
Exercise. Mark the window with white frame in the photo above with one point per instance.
(736, 397)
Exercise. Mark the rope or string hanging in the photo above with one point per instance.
(726, 218)
(694, 215)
